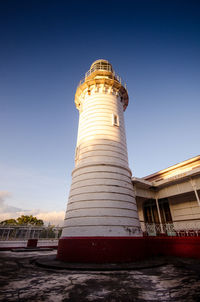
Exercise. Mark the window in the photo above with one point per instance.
(151, 211)
(165, 211)
(115, 120)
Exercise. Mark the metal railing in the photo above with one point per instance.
(29, 232)
(188, 228)
(102, 68)
(99, 66)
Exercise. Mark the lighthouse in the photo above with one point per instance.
(101, 217)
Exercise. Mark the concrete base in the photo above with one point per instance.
(174, 279)
(29, 249)
(125, 249)
(7, 245)
(53, 263)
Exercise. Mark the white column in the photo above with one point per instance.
(193, 183)
(159, 216)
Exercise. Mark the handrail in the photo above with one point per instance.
(103, 68)
(14, 232)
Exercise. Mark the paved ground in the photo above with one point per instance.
(22, 280)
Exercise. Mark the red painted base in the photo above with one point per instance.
(188, 247)
(125, 249)
(101, 249)
(32, 243)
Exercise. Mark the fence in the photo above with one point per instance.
(102, 68)
(184, 228)
(29, 232)
(13, 232)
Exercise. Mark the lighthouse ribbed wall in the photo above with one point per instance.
(101, 200)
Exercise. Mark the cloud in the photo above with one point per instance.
(3, 196)
(56, 218)
(7, 212)
(4, 208)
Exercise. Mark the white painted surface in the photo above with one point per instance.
(101, 200)
(23, 243)
(184, 208)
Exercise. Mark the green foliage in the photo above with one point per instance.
(9, 221)
(23, 220)
(49, 232)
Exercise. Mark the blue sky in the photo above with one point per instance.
(45, 49)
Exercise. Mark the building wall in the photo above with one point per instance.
(140, 208)
(174, 189)
(185, 211)
(184, 207)
(139, 202)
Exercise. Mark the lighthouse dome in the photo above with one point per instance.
(101, 65)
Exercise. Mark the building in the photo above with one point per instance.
(168, 201)
(107, 210)
(101, 200)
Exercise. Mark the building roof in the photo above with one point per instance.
(177, 172)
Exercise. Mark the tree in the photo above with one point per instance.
(9, 221)
(29, 220)
(24, 220)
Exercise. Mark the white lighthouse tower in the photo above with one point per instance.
(101, 205)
